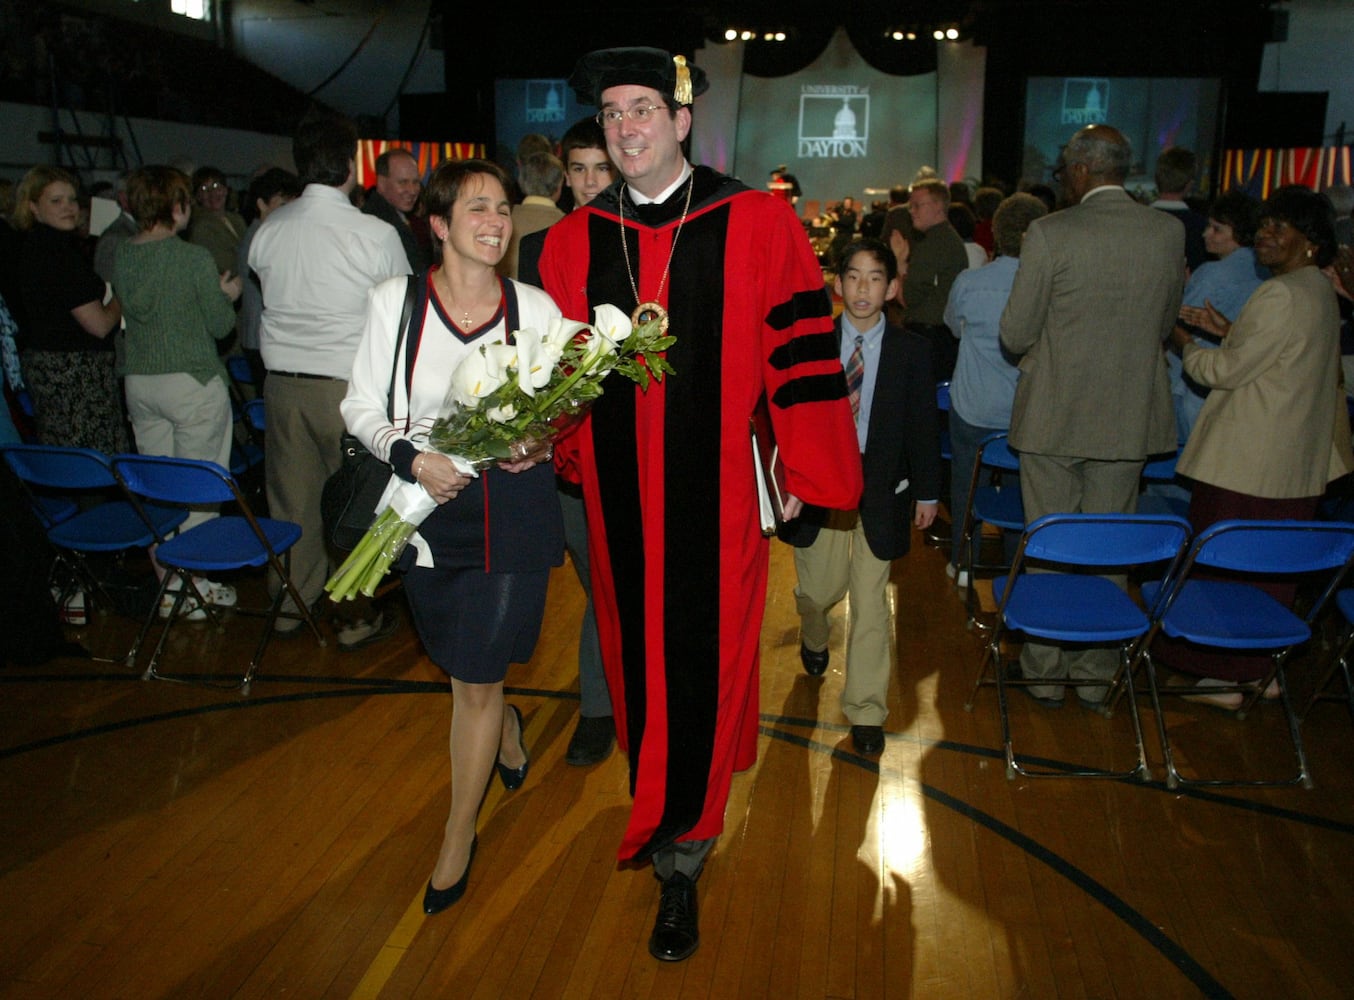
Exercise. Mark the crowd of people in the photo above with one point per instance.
(1095, 330)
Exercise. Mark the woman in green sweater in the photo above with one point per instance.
(176, 306)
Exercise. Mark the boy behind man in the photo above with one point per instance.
(888, 378)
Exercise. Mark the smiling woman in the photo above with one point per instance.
(1274, 429)
(476, 571)
(68, 356)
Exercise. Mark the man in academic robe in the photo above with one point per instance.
(679, 563)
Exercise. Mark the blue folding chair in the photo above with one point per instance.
(240, 372)
(1160, 469)
(1339, 661)
(1233, 614)
(993, 498)
(1063, 601)
(112, 526)
(939, 533)
(254, 416)
(222, 543)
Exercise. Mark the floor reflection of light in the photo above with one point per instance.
(903, 836)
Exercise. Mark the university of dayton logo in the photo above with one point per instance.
(545, 101)
(834, 122)
(1086, 101)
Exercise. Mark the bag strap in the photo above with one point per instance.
(512, 325)
(406, 314)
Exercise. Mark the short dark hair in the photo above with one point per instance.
(272, 182)
(877, 249)
(986, 200)
(1238, 210)
(1175, 169)
(444, 186)
(963, 220)
(898, 194)
(1045, 194)
(324, 147)
(154, 192)
(1309, 213)
(208, 175)
(1012, 217)
(383, 161)
(541, 174)
(582, 134)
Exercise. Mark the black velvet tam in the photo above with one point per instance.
(642, 67)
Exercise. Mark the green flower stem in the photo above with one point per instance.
(356, 571)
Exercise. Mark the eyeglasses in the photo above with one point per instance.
(641, 113)
(213, 186)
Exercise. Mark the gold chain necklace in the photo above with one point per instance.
(647, 311)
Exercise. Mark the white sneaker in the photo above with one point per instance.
(959, 576)
(218, 595)
(74, 609)
(189, 611)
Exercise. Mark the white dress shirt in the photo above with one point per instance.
(317, 258)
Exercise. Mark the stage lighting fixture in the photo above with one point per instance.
(731, 34)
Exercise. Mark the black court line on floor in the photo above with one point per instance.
(1167, 947)
(362, 687)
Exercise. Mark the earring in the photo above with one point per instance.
(1309, 253)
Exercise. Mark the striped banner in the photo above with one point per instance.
(428, 155)
(1259, 171)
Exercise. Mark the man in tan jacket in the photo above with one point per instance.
(1096, 295)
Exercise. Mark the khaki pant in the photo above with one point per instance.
(840, 564)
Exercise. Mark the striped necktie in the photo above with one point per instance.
(855, 376)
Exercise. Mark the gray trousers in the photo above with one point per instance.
(685, 856)
(1052, 484)
(593, 693)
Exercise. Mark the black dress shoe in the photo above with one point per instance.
(676, 932)
(513, 777)
(592, 740)
(868, 739)
(815, 662)
(437, 900)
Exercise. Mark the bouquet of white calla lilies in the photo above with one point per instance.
(508, 403)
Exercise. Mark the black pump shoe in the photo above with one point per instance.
(437, 900)
(513, 777)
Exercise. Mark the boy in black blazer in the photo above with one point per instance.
(888, 372)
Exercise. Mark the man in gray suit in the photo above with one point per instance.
(1096, 294)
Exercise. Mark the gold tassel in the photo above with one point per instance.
(682, 92)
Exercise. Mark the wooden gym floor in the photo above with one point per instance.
(166, 840)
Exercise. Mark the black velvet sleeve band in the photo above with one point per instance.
(402, 455)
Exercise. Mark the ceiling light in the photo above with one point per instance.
(952, 34)
(938, 35)
(730, 34)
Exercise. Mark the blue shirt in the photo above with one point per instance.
(1227, 283)
(870, 343)
(982, 389)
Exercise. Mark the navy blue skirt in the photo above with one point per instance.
(472, 623)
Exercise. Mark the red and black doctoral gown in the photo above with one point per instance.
(679, 563)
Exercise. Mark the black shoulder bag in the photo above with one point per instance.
(348, 501)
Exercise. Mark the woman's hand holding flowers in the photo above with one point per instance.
(438, 476)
